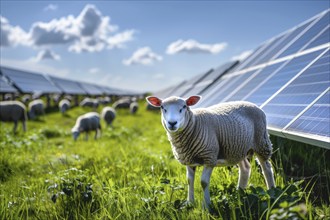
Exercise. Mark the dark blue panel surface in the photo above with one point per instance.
(307, 36)
(29, 82)
(282, 76)
(323, 38)
(254, 82)
(5, 87)
(68, 86)
(316, 120)
(302, 91)
(225, 88)
(90, 88)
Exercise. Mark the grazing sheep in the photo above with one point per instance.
(64, 105)
(88, 102)
(13, 111)
(36, 107)
(108, 114)
(133, 107)
(85, 123)
(221, 135)
(122, 103)
(26, 98)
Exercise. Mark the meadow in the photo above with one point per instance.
(130, 173)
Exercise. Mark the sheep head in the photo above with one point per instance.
(174, 110)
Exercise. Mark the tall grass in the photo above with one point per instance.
(130, 173)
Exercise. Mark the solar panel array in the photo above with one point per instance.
(5, 87)
(28, 82)
(288, 76)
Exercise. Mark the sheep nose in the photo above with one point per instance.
(172, 123)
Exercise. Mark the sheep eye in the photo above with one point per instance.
(162, 107)
(183, 108)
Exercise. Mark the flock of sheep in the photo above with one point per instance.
(16, 111)
(222, 135)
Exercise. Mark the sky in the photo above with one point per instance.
(143, 46)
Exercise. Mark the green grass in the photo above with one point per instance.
(129, 173)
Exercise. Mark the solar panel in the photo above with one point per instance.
(280, 77)
(297, 95)
(29, 82)
(315, 120)
(91, 89)
(164, 93)
(5, 87)
(310, 33)
(287, 39)
(222, 90)
(68, 86)
(211, 78)
(245, 88)
(322, 38)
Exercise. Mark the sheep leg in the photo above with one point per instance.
(96, 132)
(205, 181)
(244, 173)
(191, 181)
(15, 126)
(24, 126)
(267, 172)
(86, 137)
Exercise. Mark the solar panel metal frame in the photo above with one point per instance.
(47, 86)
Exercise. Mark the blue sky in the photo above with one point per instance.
(140, 45)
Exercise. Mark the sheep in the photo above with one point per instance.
(220, 135)
(26, 98)
(133, 107)
(13, 111)
(64, 105)
(122, 103)
(108, 114)
(85, 123)
(36, 107)
(88, 102)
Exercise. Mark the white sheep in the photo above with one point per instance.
(108, 114)
(88, 102)
(122, 103)
(64, 105)
(133, 107)
(13, 111)
(85, 123)
(36, 107)
(221, 135)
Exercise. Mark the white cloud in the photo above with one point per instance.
(47, 54)
(143, 56)
(242, 55)
(94, 70)
(90, 31)
(192, 46)
(51, 7)
(11, 35)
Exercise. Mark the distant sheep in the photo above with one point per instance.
(14, 111)
(108, 114)
(64, 105)
(26, 98)
(104, 100)
(133, 107)
(85, 123)
(122, 103)
(36, 108)
(221, 135)
(88, 102)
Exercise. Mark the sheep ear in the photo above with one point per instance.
(154, 101)
(192, 100)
